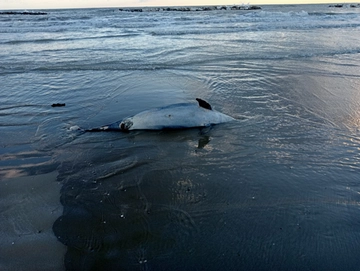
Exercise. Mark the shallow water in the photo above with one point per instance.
(276, 189)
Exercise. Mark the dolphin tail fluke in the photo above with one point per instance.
(111, 127)
(98, 129)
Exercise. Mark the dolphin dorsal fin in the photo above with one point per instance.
(204, 104)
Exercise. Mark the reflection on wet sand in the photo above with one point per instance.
(124, 213)
(105, 225)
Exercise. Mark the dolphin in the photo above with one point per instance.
(175, 116)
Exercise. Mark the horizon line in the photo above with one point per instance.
(210, 5)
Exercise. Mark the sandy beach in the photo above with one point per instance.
(275, 189)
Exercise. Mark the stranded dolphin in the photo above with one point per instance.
(175, 116)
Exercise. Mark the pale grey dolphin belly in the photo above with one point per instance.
(176, 116)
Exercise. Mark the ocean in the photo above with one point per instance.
(276, 189)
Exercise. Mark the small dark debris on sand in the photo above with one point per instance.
(57, 105)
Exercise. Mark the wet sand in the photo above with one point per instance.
(28, 208)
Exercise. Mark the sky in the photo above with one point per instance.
(42, 4)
